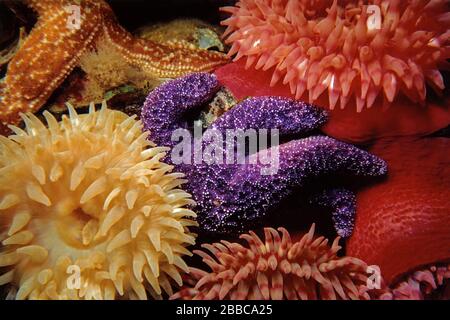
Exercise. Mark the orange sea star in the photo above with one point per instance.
(56, 43)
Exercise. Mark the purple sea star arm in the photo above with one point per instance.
(251, 194)
(343, 205)
(164, 107)
(287, 115)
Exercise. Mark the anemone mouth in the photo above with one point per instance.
(75, 228)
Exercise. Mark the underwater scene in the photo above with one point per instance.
(225, 150)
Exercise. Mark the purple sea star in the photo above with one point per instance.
(232, 197)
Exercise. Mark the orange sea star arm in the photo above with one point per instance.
(47, 56)
(161, 60)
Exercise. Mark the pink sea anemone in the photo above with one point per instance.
(347, 48)
(278, 268)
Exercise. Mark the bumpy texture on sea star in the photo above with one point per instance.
(231, 197)
(55, 45)
(347, 49)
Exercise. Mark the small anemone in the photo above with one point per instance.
(277, 269)
(429, 282)
(88, 210)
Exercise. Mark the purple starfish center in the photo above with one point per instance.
(232, 196)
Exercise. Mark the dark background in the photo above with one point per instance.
(133, 13)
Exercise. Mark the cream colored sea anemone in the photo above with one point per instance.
(88, 211)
